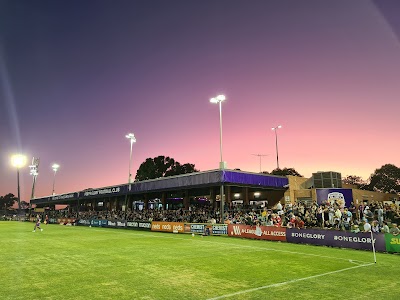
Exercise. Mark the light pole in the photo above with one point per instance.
(34, 171)
(55, 168)
(260, 155)
(218, 100)
(276, 144)
(132, 139)
(18, 161)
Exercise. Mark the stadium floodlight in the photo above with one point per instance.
(132, 139)
(276, 144)
(218, 100)
(34, 171)
(18, 161)
(55, 168)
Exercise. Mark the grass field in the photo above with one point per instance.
(98, 263)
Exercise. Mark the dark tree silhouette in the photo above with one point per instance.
(7, 201)
(385, 179)
(162, 166)
(285, 171)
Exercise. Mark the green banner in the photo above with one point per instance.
(392, 242)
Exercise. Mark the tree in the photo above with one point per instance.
(7, 201)
(162, 166)
(285, 172)
(24, 204)
(354, 180)
(385, 180)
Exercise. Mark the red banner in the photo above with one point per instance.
(271, 233)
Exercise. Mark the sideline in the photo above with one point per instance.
(231, 246)
(287, 282)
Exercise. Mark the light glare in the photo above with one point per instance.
(18, 160)
(131, 136)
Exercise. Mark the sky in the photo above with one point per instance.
(77, 76)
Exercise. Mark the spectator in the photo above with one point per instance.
(394, 230)
(375, 226)
(385, 227)
(367, 226)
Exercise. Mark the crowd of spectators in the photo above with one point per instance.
(380, 217)
(327, 216)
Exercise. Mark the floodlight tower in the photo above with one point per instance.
(34, 171)
(131, 137)
(276, 143)
(55, 168)
(218, 100)
(18, 161)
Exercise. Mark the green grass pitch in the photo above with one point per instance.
(72, 262)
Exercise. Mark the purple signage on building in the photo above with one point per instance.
(336, 238)
(343, 197)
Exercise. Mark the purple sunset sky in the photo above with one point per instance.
(77, 76)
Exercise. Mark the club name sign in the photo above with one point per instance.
(105, 191)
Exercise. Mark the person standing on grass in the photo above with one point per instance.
(37, 225)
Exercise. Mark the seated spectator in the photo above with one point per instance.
(385, 227)
(291, 222)
(355, 229)
(394, 230)
(299, 223)
(367, 226)
(375, 227)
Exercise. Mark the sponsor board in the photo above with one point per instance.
(197, 228)
(66, 221)
(219, 229)
(98, 223)
(168, 226)
(392, 242)
(139, 225)
(83, 222)
(335, 238)
(271, 233)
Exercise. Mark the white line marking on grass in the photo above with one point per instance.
(287, 282)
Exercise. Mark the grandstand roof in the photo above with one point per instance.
(184, 181)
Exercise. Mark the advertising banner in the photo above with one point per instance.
(197, 228)
(334, 238)
(167, 226)
(342, 197)
(139, 225)
(116, 223)
(66, 221)
(83, 222)
(270, 233)
(219, 229)
(392, 242)
(98, 223)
